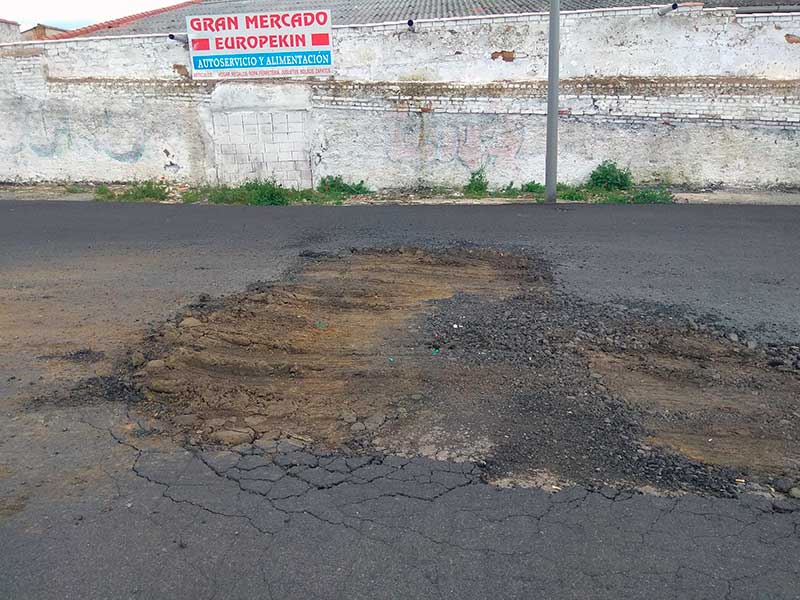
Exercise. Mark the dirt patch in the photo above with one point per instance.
(330, 357)
(713, 400)
(473, 355)
(12, 506)
(84, 355)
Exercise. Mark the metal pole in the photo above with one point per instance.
(551, 156)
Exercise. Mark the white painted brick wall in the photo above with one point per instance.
(122, 108)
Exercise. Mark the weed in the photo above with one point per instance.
(104, 193)
(257, 193)
(191, 196)
(532, 187)
(509, 191)
(336, 187)
(146, 190)
(75, 189)
(138, 192)
(608, 176)
(613, 198)
(657, 195)
(478, 185)
(332, 190)
(572, 193)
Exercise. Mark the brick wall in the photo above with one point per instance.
(701, 97)
(665, 100)
(252, 145)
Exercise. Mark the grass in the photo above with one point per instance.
(572, 193)
(658, 195)
(104, 193)
(336, 187)
(613, 198)
(145, 191)
(579, 193)
(75, 189)
(532, 187)
(607, 184)
(478, 185)
(331, 190)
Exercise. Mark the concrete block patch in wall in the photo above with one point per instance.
(263, 144)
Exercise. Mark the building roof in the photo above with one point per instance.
(7, 22)
(45, 26)
(349, 12)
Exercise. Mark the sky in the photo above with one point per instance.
(70, 14)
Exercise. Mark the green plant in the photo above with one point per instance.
(75, 189)
(509, 191)
(571, 193)
(142, 191)
(532, 187)
(613, 198)
(336, 187)
(609, 176)
(191, 196)
(257, 193)
(270, 193)
(657, 195)
(103, 192)
(478, 185)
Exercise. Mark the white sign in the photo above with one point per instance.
(253, 45)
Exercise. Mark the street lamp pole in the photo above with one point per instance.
(551, 156)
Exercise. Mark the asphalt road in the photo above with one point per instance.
(92, 506)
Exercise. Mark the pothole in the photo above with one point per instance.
(475, 355)
(333, 357)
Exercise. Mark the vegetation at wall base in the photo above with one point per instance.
(608, 176)
(614, 198)
(143, 191)
(572, 193)
(104, 193)
(603, 188)
(607, 184)
(658, 195)
(336, 187)
(478, 185)
(331, 190)
(532, 187)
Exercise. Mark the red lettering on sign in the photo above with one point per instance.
(218, 24)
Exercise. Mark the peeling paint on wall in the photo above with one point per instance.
(423, 107)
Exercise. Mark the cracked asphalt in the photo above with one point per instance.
(93, 504)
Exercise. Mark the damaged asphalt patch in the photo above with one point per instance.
(472, 356)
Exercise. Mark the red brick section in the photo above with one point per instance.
(7, 22)
(119, 22)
